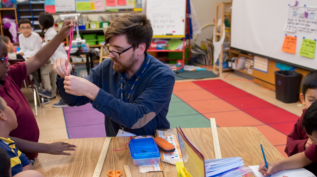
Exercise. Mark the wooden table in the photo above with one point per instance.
(235, 142)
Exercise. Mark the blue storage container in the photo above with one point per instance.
(144, 151)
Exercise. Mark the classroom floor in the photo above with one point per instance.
(190, 106)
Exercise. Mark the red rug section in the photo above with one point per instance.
(263, 111)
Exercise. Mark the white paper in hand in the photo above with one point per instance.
(302, 172)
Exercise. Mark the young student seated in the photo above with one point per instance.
(11, 80)
(19, 162)
(300, 159)
(30, 42)
(10, 47)
(297, 140)
(5, 167)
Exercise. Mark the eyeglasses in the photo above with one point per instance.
(114, 53)
(26, 28)
(5, 59)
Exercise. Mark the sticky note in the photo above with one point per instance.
(289, 44)
(92, 6)
(131, 2)
(121, 2)
(49, 2)
(83, 6)
(50, 9)
(308, 48)
(110, 2)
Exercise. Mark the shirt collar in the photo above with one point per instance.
(50, 29)
(136, 74)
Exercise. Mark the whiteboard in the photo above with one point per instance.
(167, 17)
(258, 26)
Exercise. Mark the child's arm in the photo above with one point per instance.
(28, 167)
(53, 148)
(44, 54)
(22, 46)
(296, 161)
(295, 141)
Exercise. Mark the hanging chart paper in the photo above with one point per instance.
(301, 19)
(308, 48)
(50, 9)
(65, 5)
(90, 5)
(289, 44)
(119, 4)
(49, 2)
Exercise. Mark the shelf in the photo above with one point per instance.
(25, 10)
(37, 2)
(38, 10)
(243, 55)
(7, 9)
(95, 45)
(153, 50)
(244, 72)
(36, 16)
(26, 17)
(227, 69)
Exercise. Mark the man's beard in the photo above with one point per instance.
(120, 67)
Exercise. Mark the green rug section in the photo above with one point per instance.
(181, 114)
(194, 75)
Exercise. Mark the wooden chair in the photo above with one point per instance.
(103, 54)
(30, 83)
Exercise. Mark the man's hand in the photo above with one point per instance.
(80, 87)
(308, 143)
(60, 67)
(266, 172)
(59, 148)
(65, 30)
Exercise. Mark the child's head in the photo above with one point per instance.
(8, 119)
(5, 165)
(25, 27)
(46, 20)
(8, 43)
(309, 89)
(4, 65)
(310, 122)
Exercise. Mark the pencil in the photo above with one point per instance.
(265, 159)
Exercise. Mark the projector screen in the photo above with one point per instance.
(258, 27)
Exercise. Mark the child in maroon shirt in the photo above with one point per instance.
(301, 159)
(11, 79)
(297, 140)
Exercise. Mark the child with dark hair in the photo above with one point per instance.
(46, 21)
(304, 158)
(19, 162)
(5, 169)
(298, 140)
(30, 42)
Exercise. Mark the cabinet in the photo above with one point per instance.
(31, 10)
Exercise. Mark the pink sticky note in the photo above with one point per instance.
(50, 9)
(121, 2)
(110, 2)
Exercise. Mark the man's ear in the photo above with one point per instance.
(302, 99)
(141, 49)
(2, 116)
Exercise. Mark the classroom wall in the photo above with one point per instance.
(206, 12)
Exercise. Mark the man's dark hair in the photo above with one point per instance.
(5, 39)
(23, 21)
(310, 119)
(5, 165)
(309, 82)
(46, 20)
(135, 25)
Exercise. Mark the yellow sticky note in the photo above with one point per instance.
(130, 2)
(92, 5)
(308, 48)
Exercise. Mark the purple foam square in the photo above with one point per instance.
(82, 118)
(78, 108)
(90, 131)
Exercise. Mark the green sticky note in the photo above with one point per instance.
(174, 43)
(83, 6)
(308, 48)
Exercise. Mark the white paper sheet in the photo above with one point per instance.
(261, 64)
(65, 5)
(301, 172)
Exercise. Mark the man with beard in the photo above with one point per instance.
(132, 88)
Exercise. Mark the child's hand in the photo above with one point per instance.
(59, 148)
(60, 67)
(65, 30)
(266, 172)
(308, 143)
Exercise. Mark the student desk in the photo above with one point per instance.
(234, 141)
